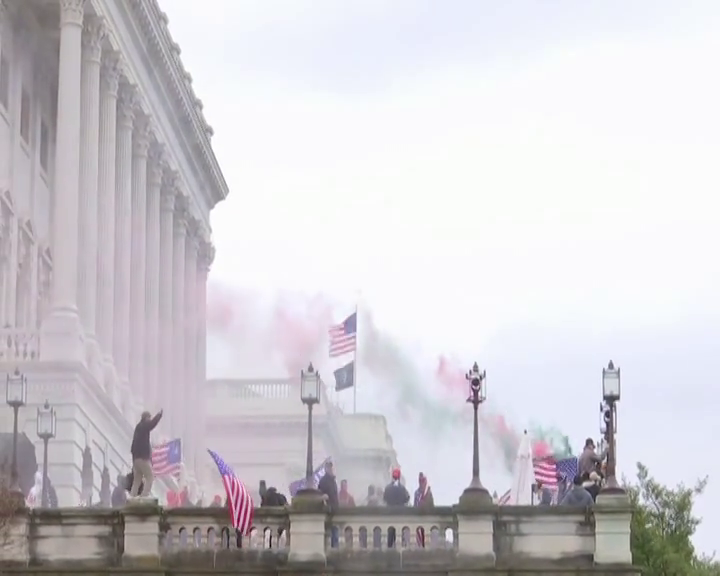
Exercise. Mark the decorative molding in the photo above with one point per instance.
(141, 134)
(154, 24)
(206, 255)
(181, 213)
(127, 104)
(94, 33)
(72, 12)
(157, 164)
(110, 72)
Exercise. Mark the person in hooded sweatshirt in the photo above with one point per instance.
(395, 494)
(273, 498)
(577, 495)
(118, 498)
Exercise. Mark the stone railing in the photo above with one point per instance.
(362, 540)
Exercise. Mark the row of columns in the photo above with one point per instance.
(129, 260)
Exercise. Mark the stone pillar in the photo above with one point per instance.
(206, 256)
(613, 516)
(178, 396)
(167, 209)
(191, 409)
(123, 236)
(93, 35)
(141, 143)
(61, 332)
(153, 395)
(110, 75)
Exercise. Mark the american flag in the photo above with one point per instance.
(343, 336)
(548, 469)
(167, 458)
(239, 499)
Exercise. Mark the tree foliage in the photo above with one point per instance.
(662, 528)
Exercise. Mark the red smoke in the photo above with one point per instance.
(293, 327)
(299, 333)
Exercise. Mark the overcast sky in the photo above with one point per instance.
(532, 184)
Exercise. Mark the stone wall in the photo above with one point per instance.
(144, 538)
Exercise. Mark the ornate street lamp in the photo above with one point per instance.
(310, 395)
(611, 395)
(46, 429)
(16, 398)
(477, 395)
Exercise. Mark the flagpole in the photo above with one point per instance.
(355, 355)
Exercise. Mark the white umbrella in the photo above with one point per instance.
(523, 475)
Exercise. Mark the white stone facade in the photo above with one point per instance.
(260, 427)
(107, 180)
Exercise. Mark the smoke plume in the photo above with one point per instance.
(283, 333)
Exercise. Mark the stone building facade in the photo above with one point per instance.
(107, 180)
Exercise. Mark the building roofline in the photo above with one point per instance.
(154, 23)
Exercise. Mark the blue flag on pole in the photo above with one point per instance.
(345, 377)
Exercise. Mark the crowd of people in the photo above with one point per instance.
(583, 488)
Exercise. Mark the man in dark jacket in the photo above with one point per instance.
(273, 498)
(395, 495)
(328, 486)
(142, 453)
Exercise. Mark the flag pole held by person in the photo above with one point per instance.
(240, 502)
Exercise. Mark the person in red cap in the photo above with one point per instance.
(395, 495)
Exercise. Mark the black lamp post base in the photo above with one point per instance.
(475, 497)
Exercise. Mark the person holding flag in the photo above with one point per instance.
(240, 503)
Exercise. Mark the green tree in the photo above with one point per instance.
(662, 528)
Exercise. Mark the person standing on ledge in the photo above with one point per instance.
(141, 452)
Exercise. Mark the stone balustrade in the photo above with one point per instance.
(488, 539)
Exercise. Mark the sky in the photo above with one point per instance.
(529, 184)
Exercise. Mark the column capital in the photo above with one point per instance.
(72, 12)
(206, 255)
(110, 73)
(141, 134)
(193, 231)
(168, 190)
(127, 104)
(94, 32)
(156, 164)
(181, 214)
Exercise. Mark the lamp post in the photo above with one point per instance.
(477, 395)
(611, 395)
(16, 397)
(46, 429)
(310, 395)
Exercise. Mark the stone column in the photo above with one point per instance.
(178, 396)
(61, 332)
(206, 256)
(123, 237)
(167, 209)
(106, 214)
(93, 35)
(153, 395)
(190, 409)
(141, 144)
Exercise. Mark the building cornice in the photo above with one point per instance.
(153, 23)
